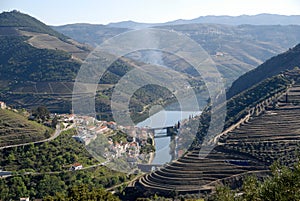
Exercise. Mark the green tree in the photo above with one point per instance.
(41, 113)
(54, 122)
(17, 188)
(49, 185)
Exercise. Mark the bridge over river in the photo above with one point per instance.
(272, 134)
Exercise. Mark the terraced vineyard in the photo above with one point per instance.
(16, 129)
(249, 149)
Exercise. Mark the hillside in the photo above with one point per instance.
(39, 35)
(266, 129)
(17, 129)
(32, 56)
(13, 21)
(234, 49)
(38, 66)
(285, 61)
(91, 34)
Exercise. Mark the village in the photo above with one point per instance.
(113, 141)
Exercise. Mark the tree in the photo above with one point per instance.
(17, 188)
(41, 113)
(54, 122)
(283, 185)
(49, 185)
(83, 192)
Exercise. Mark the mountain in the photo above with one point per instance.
(38, 66)
(39, 35)
(234, 49)
(91, 34)
(131, 25)
(37, 63)
(259, 19)
(276, 65)
(261, 129)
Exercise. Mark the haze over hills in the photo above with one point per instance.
(234, 49)
(38, 66)
(259, 19)
(262, 127)
(92, 34)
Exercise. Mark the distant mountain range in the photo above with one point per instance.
(234, 49)
(38, 65)
(260, 19)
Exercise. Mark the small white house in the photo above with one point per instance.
(76, 166)
(2, 105)
(24, 199)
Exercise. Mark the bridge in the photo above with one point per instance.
(170, 131)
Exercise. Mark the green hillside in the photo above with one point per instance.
(20, 61)
(17, 129)
(234, 49)
(38, 66)
(267, 132)
(21, 21)
(285, 61)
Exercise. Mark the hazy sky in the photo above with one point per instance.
(58, 12)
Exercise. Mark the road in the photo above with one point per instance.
(56, 134)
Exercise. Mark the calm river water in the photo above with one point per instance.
(162, 119)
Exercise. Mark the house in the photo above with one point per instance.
(76, 166)
(24, 199)
(69, 118)
(2, 105)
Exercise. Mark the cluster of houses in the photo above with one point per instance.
(89, 129)
(130, 150)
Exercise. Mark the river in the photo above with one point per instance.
(162, 119)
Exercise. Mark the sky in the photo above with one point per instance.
(60, 12)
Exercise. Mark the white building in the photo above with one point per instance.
(2, 105)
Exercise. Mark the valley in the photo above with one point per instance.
(50, 149)
(270, 134)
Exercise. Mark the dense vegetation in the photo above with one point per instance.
(83, 192)
(15, 128)
(32, 76)
(238, 105)
(25, 22)
(60, 183)
(22, 62)
(283, 185)
(56, 155)
(43, 169)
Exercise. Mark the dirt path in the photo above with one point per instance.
(55, 135)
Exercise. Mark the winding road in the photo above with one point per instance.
(55, 135)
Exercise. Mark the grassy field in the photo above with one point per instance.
(16, 129)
